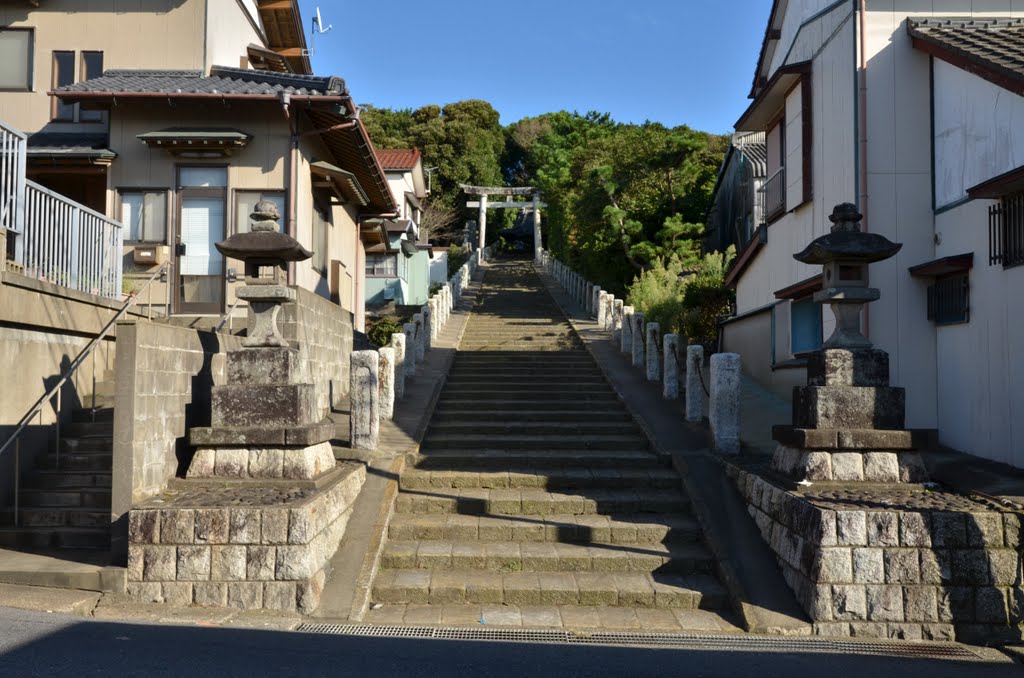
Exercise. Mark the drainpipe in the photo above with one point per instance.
(862, 101)
(293, 175)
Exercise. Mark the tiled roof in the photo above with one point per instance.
(222, 80)
(993, 48)
(398, 158)
(68, 144)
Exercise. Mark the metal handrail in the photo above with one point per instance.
(55, 389)
(227, 316)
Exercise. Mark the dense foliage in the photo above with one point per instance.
(381, 331)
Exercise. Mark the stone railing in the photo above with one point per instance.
(659, 356)
(378, 378)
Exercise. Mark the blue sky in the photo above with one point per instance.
(672, 61)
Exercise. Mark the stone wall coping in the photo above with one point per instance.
(240, 436)
(852, 439)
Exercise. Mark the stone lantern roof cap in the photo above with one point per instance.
(847, 242)
(264, 244)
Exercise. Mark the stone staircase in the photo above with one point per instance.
(65, 500)
(536, 500)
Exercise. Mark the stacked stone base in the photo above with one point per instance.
(902, 564)
(242, 545)
(262, 463)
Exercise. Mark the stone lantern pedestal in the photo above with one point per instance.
(848, 422)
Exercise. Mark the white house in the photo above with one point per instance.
(915, 116)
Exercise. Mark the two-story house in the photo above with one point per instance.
(911, 114)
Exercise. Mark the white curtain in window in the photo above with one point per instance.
(15, 51)
(202, 224)
(204, 177)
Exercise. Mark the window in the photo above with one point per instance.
(382, 265)
(92, 67)
(1006, 231)
(805, 326)
(63, 74)
(948, 299)
(245, 203)
(16, 59)
(144, 214)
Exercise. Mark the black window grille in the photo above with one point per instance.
(1006, 231)
(948, 300)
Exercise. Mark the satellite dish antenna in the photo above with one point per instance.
(318, 29)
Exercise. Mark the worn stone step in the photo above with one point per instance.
(79, 461)
(527, 442)
(601, 394)
(532, 477)
(50, 479)
(512, 556)
(523, 371)
(88, 415)
(621, 589)
(102, 443)
(57, 517)
(594, 427)
(88, 428)
(466, 415)
(576, 618)
(515, 358)
(448, 458)
(57, 538)
(476, 501)
(71, 498)
(583, 403)
(562, 528)
(583, 384)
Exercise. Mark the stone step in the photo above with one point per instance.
(37, 538)
(621, 589)
(529, 477)
(581, 385)
(546, 458)
(467, 416)
(513, 556)
(88, 428)
(477, 501)
(581, 403)
(68, 498)
(57, 517)
(517, 358)
(593, 427)
(49, 479)
(529, 442)
(87, 415)
(80, 461)
(101, 443)
(601, 394)
(574, 618)
(562, 528)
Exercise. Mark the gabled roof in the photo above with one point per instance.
(222, 81)
(284, 30)
(398, 159)
(991, 48)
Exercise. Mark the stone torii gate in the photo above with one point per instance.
(484, 192)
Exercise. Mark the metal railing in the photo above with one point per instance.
(1006, 231)
(774, 196)
(70, 245)
(55, 391)
(12, 187)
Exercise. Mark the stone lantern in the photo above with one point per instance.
(848, 422)
(265, 420)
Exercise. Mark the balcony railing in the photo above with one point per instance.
(55, 239)
(773, 194)
(12, 186)
(1006, 231)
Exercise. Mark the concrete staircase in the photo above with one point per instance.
(536, 500)
(65, 500)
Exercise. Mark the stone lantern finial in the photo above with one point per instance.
(265, 216)
(845, 218)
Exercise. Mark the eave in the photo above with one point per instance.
(953, 264)
(746, 256)
(997, 187)
(802, 289)
(772, 99)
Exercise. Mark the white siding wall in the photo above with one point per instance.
(794, 148)
(980, 371)
(979, 132)
(797, 40)
(228, 33)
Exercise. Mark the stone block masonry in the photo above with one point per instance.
(894, 563)
(670, 367)
(364, 421)
(724, 412)
(266, 548)
(653, 331)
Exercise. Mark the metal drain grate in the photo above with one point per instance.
(655, 640)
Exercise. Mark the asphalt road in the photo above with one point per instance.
(39, 644)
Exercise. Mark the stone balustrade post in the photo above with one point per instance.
(434, 318)
(409, 330)
(364, 394)
(421, 345)
(626, 336)
(601, 308)
(639, 340)
(609, 310)
(670, 367)
(387, 381)
(398, 345)
(724, 408)
(589, 292)
(595, 301)
(694, 384)
(653, 332)
(617, 307)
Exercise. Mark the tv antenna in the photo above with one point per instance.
(318, 29)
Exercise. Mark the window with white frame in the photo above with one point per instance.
(144, 215)
(382, 265)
